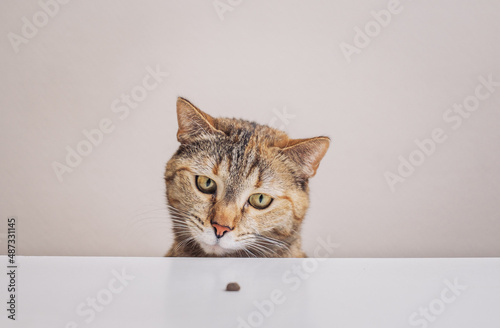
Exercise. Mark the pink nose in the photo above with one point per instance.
(220, 230)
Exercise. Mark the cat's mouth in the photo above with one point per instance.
(214, 249)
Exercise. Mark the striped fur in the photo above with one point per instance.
(243, 158)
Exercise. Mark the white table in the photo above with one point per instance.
(61, 292)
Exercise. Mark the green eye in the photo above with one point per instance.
(205, 184)
(260, 201)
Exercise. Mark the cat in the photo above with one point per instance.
(237, 188)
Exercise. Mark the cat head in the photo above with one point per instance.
(238, 188)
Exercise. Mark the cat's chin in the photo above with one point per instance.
(214, 249)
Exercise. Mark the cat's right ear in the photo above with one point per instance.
(193, 123)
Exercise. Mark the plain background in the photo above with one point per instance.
(261, 59)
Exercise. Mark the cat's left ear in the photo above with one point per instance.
(307, 153)
(193, 123)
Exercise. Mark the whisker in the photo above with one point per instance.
(258, 250)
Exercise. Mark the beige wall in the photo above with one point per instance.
(261, 58)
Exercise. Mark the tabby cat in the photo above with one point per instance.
(237, 188)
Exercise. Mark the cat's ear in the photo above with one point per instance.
(307, 153)
(193, 123)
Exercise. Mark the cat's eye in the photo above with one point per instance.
(260, 201)
(205, 184)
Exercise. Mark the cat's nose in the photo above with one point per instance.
(220, 230)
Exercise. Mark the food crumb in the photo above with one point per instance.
(233, 287)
